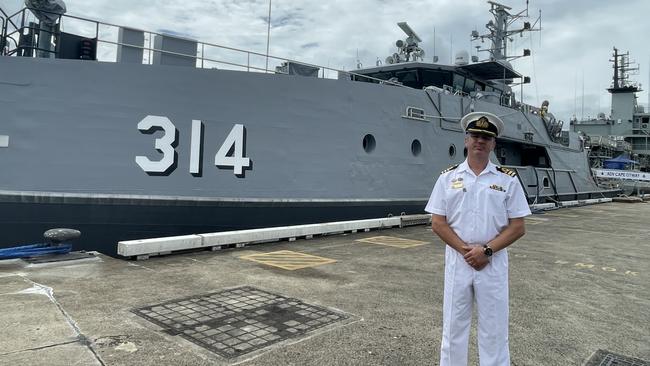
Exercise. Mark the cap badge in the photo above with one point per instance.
(482, 123)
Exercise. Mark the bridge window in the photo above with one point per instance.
(436, 78)
(470, 86)
(459, 82)
(378, 75)
(492, 89)
(408, 78)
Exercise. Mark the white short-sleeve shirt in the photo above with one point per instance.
(478, 207)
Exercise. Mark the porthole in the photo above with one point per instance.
(416, 147)
(546, 183)
(369, 143)
(452, 150)
(465, 152)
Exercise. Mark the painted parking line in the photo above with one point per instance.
(534, 220)
(562, 215)
(392, 241)
(287, 259)
(594, 211)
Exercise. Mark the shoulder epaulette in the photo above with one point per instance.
(510, 172)
(449, 169)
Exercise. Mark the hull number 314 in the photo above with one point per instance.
(229, 155)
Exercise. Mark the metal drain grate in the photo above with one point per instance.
(238, 321)
(606, 358)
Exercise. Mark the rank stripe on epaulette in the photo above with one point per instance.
(449, 169)
(507, 171)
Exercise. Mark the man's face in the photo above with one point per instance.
(479, 145)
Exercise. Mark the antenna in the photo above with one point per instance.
(359, 64)
(451, 47)
(600, 96)
(435, 57)
(582, 111)
(575, 94)
(268, 38)
(409, 32)
(408, 49)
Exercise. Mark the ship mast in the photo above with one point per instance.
(499, 30)
(499, 34)
(623, 68)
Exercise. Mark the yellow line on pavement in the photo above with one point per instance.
(393, 241)
(288, 260)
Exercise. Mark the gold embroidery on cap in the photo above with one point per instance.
(482, 122)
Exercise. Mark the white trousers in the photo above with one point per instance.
(489, 288)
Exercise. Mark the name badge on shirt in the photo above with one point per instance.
(457, 183)
(497, 188)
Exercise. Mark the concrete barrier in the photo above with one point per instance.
(142, 249)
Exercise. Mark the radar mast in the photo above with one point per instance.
(499, 34)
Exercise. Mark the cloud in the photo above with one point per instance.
(572, 50)
(310, 45)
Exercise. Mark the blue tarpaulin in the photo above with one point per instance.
(618, 162)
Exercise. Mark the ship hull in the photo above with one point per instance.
(123, 151)
(104, 222)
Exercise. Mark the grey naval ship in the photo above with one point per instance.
(619, 143)
(169, 138)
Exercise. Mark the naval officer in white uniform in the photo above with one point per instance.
(478, 210)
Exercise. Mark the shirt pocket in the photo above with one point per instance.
(455, 198)
(496, 209)
(496, 200)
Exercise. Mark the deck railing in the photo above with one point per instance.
(16, 28)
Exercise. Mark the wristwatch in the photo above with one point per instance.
(487, 250)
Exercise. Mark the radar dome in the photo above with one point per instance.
(462, 58)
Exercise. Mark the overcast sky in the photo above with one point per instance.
(572, 51)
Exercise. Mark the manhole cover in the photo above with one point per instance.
(238, 321)
(606, 358)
